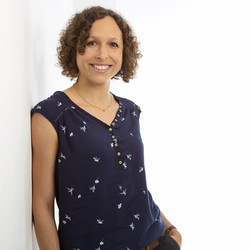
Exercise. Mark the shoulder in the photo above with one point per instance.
(51, 107)
(52, 102)
(129, 103)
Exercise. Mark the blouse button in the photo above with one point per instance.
(120, 162)
(113, 123)
(116, 145)
(116, 120)
(113, 136)
(118, 115)
(118, 153)
(120, 110)
(110, 129)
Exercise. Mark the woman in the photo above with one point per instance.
(87, 149)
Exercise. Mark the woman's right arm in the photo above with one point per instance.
(44, 151)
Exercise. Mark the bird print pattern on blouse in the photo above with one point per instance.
(101, 187)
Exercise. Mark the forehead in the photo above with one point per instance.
(105, 27)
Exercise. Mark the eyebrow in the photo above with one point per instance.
(111, 38)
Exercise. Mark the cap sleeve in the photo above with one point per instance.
(139, 108)
(50, 109)
(132, 105)
(136, 108)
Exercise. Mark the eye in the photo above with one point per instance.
(114, 44)
(90, 43)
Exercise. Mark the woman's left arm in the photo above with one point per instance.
(174, 233)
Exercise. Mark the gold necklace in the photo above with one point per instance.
(93, 104)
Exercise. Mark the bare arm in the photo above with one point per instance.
(174, 233)
(44, 150)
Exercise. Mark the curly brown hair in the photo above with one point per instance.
(78, 28)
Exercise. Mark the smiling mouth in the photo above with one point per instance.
(101, 67)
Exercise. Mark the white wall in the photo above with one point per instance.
(15, 103)
(193, 88)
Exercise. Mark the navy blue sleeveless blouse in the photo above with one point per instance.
(100, 180)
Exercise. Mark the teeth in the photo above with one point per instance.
(101, 67)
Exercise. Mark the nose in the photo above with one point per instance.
(102, 53)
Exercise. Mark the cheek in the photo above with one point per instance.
(80, 60)
(119, 59)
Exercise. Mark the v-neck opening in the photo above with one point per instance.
(90, 115)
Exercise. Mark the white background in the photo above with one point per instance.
(193, 86)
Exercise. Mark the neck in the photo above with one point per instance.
(97, 94)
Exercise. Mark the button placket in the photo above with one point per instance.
(118, 152)
(114, 139)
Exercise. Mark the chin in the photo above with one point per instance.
(101, 82)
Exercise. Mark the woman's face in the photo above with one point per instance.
(102, 57)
